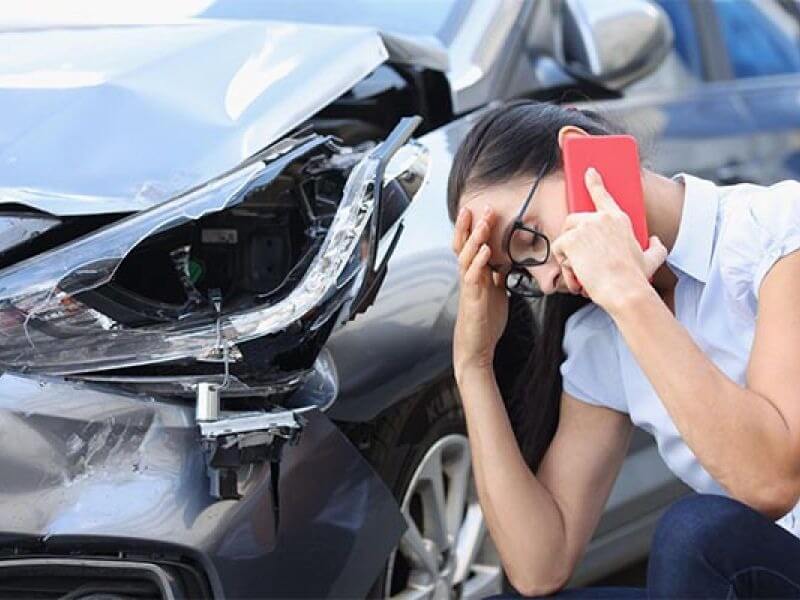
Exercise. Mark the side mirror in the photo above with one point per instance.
(614, 43)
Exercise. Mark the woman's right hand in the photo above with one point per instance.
(482, 301)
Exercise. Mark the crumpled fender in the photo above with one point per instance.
(86, 470)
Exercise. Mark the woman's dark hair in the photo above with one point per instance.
(519, 139)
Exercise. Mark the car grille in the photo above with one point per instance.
(90, 579)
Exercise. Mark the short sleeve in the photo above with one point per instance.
(760, 230)
(591, 371)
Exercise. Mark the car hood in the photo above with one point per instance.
(107, 119)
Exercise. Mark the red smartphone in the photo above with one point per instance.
(616, 158)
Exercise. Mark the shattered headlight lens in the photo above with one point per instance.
(44, 326)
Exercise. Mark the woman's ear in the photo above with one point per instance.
(568, 130)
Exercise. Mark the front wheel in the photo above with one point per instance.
(421, 450)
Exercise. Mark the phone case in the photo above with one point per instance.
(616, 158)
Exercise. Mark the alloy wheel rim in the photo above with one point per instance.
(446, 551)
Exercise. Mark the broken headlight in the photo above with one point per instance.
(179, 284)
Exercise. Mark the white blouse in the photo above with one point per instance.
(728, 239)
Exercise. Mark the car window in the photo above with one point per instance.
(762, 37)
(686, 43)
(683, 66)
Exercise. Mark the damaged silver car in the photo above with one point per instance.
(227, 294)
(175, 258)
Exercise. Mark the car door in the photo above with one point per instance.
(761, 41)
(689, 115)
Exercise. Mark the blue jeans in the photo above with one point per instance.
(708, 546)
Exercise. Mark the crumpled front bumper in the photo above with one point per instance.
(87, 472)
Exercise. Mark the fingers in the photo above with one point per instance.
(498, 279)
(462, 230)
(570, 280)
(473, 273)
(603, 201)
(654, 256)
(478, 235)
(573, 220)
(558, 250)
(557, 247)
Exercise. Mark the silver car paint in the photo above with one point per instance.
(86, 132)
(481, 54)
(83, 468)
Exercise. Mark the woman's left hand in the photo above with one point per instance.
(601, 253)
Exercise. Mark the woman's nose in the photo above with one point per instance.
(546, 276)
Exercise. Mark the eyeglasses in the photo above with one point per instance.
(525, 247)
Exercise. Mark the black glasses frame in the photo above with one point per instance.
(518, 269)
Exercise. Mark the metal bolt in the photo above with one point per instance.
(207, 408)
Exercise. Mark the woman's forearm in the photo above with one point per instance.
(737, 435)
(524, 520)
